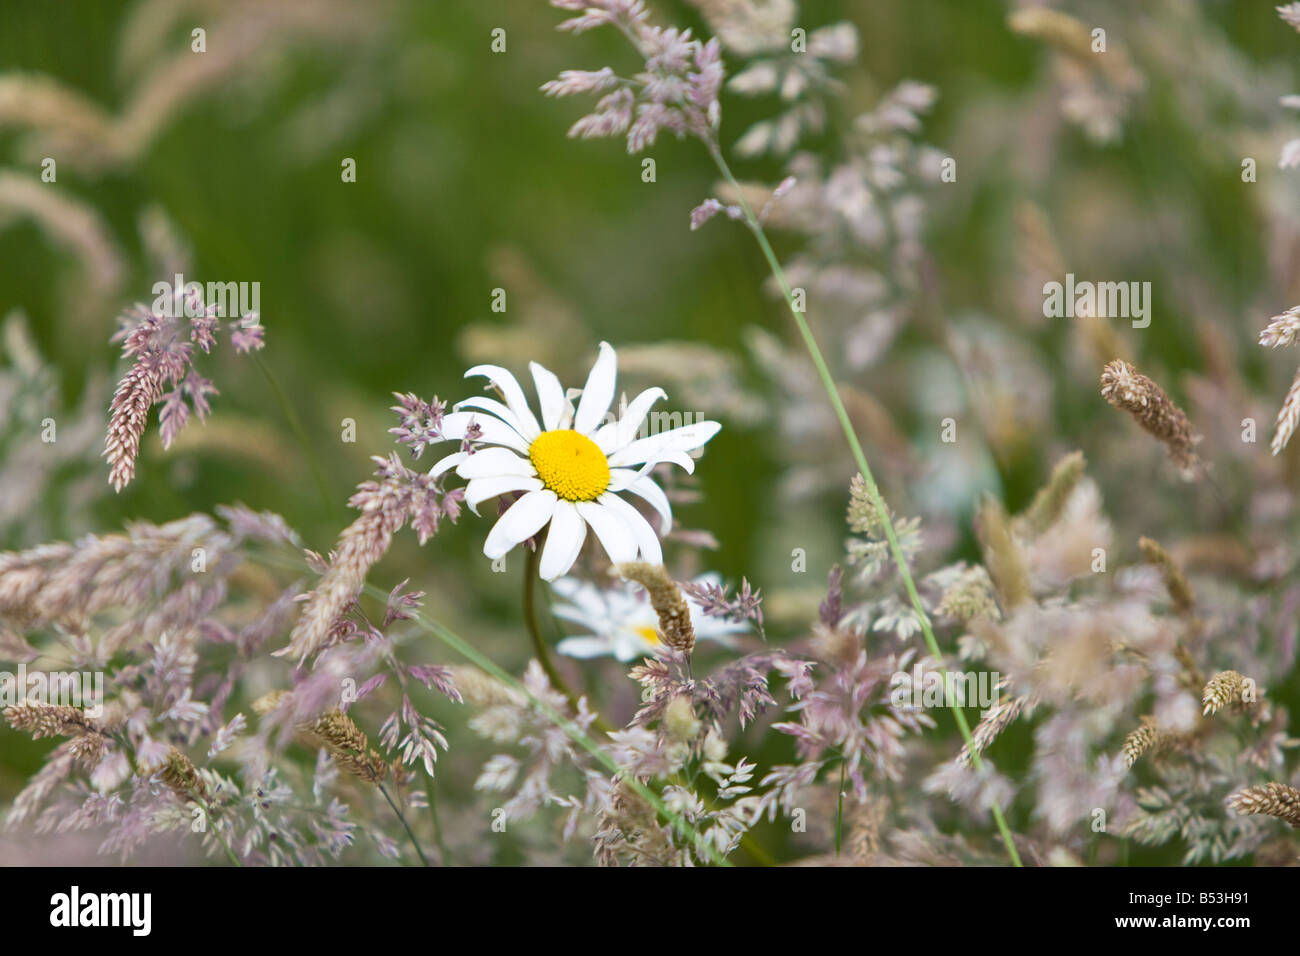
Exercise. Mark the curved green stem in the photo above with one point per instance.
(539, 643)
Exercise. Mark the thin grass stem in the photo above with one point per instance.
(878, 502)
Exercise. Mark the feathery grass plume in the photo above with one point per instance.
(348, 745)
(969, 597)
(161, 347)
(180, 775)
(863, 517)
(1281, 331)
(1062, 31)
(63, 584)
(995, 720)
(1176, 583)
(1097, 86)
(1224, 688)
(1291, 14)
(51, 720)
(1001, 554)
(1126, 388)
(745, 606)
(1051, 499)
(1272, 799)
(677, 92)
(675, 627)
(397, 496)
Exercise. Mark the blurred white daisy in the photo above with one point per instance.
(621, 621)
(572, 467)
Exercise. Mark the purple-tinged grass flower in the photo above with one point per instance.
(162, 348)
(677, 91)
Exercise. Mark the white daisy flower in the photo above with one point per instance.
(572, 466)
(623, 623)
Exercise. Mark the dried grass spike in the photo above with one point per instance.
(1272, 799)
(180, 775)
(1125, 387)
(1224, 688)
(1288, 417)
(1145, 738)
(1051, 498)
(675, 627)
(1180, 591)
(50, 720)
(1001, 554)
(348, 745)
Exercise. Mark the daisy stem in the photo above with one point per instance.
(539, 643)
(828, 382)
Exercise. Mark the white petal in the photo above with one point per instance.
(481, 489)
(521, 521)
(493, 431)
(666, 446)
(606, 437)
(502, 412)
(588, 606)
(629, 646)
(646, 489)
(614, 534)
(510, 391)
(635, 414)
(584, 647)
(598, 392)
(646, 539)
(494, 463)
(563, 541)
(550, 395)
(567, 587)
(451, 461)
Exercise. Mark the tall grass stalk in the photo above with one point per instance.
(828, 383)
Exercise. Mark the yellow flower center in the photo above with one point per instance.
(570, 464)
(649, 633)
